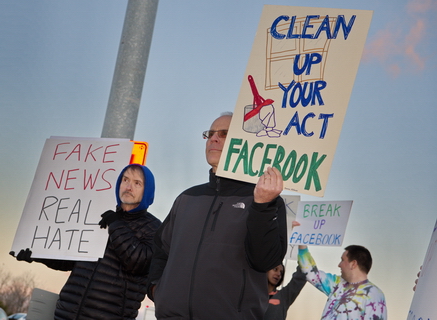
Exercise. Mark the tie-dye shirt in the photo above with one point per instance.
(346, 301)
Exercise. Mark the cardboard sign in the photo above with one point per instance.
(291, 204)
(294, 95)
(423, 306)
(73, 185)
(321, 223)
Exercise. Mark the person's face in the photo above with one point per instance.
(214, 145)
(345, 266)
(131, 189)
(275, 275)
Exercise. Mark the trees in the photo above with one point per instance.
(15, 291)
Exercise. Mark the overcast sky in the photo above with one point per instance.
(57, 60)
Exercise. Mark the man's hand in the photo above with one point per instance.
(23, 255)
(269, 186)
(296, 224)
(417, 280)
(108, 217)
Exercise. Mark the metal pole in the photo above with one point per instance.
(127, 83)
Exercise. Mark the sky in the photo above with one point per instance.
(57, 60)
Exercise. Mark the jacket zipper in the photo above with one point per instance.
(215, 214)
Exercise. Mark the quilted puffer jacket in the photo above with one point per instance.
(114, 286)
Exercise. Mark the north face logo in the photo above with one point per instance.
(239, 205)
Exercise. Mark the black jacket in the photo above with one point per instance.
(114, 286)
(212, 251)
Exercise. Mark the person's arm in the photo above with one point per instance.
(160, 255)
(61, 265)
(294, 287)
(325, 282)
(266, 238)
(134, 244)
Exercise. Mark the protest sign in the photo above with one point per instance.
(73, 185)
(294, 95)
(291, 204)
(322, 223)
(423, 306)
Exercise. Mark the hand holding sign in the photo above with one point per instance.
(23, 255)
(269, 186)
(108, 217)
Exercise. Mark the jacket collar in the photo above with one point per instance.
(220, 183)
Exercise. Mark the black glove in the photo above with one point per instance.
(23, 255)
(108, 217)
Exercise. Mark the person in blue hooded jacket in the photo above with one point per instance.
(114, 286)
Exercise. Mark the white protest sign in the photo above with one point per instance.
(294, 95)
(73, 185)
(322, 223)
(291, 204)
(423, 306)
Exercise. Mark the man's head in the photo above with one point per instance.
(355, 258)
(216, 136)
(135, 188)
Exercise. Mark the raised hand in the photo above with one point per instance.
(269, 186)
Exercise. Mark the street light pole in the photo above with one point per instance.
(127, 83)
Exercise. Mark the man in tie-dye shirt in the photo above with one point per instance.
(351, 296)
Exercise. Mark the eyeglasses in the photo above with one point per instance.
(209, 133)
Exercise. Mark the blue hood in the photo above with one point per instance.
(149, 188)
